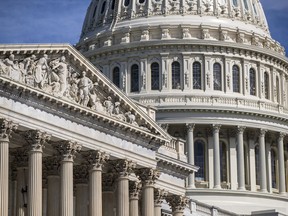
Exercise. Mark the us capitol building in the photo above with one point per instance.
(164, 107)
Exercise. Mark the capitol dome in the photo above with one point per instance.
(217, 79)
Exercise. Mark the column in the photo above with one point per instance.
(148, 177)
(67, 151)
(190, 147)
(233, 159)
(281, 164)
(217, 177)
(123, 169)
(44, 200)
(96, 160)
(134, 189)
(81, 184)
(178, 204)
(6, 129)
(109, 194)
(21, 165)
(13, 192)
(252, 159)
(159, 196)
(240, 158)
(262, 158)
(36, 140)
(53, 185)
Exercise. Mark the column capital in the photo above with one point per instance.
(134, 189)
(159, 196)
(190, 127)
(6, 128)
(67, 149)
(240, 129)
(148, 176)
(52, 165)
(123, 167)
(281, 136)
(262, 132)
(216, 128)
(36, 139)
(177, 203)
(80, 174)
(108, 180)
(96, 159)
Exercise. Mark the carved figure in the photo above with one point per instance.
(12, 68)
(61, 74)
(130, 118)
(73, 87)
(84, 86)
(108, 104)
(186, 33)
(40, 73)
(93, 96)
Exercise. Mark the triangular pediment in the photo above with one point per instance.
(59, 73)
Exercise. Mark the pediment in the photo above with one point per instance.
(60, 73)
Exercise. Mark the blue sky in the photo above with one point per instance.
(60, 21)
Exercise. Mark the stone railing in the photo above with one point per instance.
(212, 101)
(175, 149)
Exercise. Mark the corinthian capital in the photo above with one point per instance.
(20, 156)
(134, 189)
(216, 128)
(6, 128)
(96, 159)
(52, 164)
(159, 196)
(148, 175)
(262, 132)
(67, 149)
(36, 139)
(80, 174)
(240, 129)
(123, 167)
(190, 127)
(177, 203)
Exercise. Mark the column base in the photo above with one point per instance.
(263, 190)
(283, 193)
(192, 186)
(217, 187)
(241, 189)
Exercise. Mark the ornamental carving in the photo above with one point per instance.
(122, 167)
(134, 189)
(148, 176)
(177, 203)
(80, 174)
(36, 139)
(240, 129)
(20, 156)
(159, 196)
(52, 165)
(96, 159)
(67, 149)
(60, 78)
(6, 128)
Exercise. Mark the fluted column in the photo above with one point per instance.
(36, 140)
(95, 160)
(67, 150)
(53, 185)
(123, 169)
(81, 184)
(240, 158)
(108, 195)
(178, 204)
(190, 145)
(262, 162)
(281, 161)
(217, 172)
(148, 177)
(6, 129)
(134, 189)
(159, 196)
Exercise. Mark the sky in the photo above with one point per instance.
(60, 21)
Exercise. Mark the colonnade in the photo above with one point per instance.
(240, 160)
(60, 174)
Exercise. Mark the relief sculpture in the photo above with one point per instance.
(57, 77)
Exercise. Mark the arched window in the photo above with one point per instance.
(246, 4)
(116, 76)
(223, 162)
(266, 85)
(126, 3)
(273, 167)
(277, 89)
(176, 80)
(199, 157)
(134, 78)
(236, 78)
(257, 164)
(155, 79)
(197, 81)
(103, 7)
(235, 3)
(217, 77)
(252, 79)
